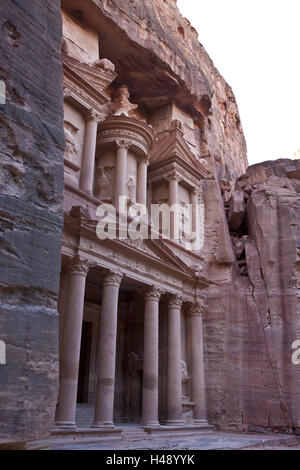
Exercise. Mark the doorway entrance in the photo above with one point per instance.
(85, 362)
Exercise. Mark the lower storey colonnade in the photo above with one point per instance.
(156, 380)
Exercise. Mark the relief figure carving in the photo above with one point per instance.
(72, 148)
(104, 181)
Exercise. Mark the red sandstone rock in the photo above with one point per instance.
(31, 187)
(236, 210)
(253, 321)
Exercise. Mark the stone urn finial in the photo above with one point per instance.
(121, 105)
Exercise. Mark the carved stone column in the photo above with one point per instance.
(89, 150)
(70, 344)
(194, 202)
(120, 188)
(142, 182)
(62, 302)
(173, 178)
(150, 378)
(198, 387)
(106, 364)
(174, 362)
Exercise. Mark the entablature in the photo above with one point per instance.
(138, 134)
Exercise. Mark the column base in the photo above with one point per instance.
(151, 424)
(65, 425)
(87, 191)
(198, 422)
(175, 422)
(103, 424)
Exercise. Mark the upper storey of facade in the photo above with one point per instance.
(118, 148)
(135, 130)
(158, 55)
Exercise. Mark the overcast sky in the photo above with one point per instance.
(255, 45)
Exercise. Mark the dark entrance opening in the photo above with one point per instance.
(84, 364)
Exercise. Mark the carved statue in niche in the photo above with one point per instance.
(131, 193)
(121, 105)
(184, 374)
(104, 182)
(185, 220)
(72, 148)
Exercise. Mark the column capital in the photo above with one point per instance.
(173, 175)
(123, 144)
(197, 310)
(67, 92)
(196, 191)
(153, 293)
(79, 266)
(112, 279)
(144, 161)
(175, 300)
(93, 115)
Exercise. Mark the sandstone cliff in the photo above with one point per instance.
(31, 187)
(253, 320)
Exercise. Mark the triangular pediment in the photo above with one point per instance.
(175, 146)
(79, 219)
(158, 251)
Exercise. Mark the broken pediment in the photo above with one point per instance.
(86, 84)
(174, 146)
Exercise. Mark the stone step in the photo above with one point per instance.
(135, 434)
(179, 431)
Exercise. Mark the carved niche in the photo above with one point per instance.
(104, 182)
(72, 147)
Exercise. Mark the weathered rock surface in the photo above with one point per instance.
(31, 187)
(236, 210)
(253, 320)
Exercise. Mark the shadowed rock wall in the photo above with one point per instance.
(31, 191)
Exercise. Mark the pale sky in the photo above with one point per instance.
(255, 45)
